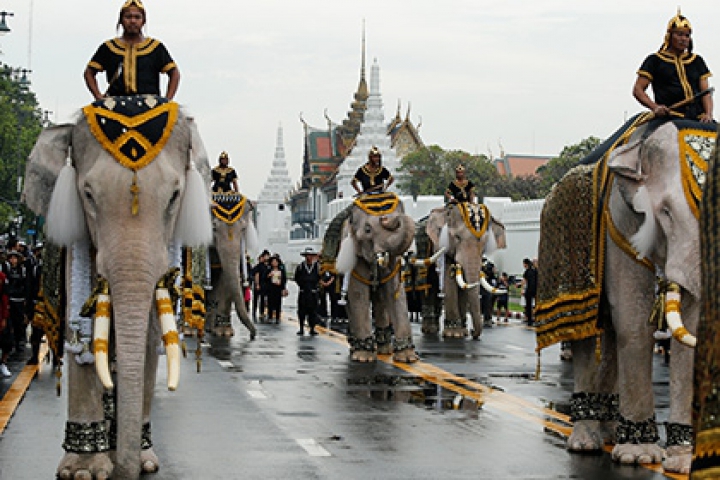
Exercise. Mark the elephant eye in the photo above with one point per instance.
(174, 197)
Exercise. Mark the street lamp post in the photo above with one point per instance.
(3, 24)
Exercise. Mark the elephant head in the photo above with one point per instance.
(130, 214)
(467, 232)
(659, 193)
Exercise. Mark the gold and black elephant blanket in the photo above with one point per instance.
(574, 226)
(706, 379)
(228, 207)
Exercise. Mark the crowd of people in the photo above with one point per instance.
(20, 271)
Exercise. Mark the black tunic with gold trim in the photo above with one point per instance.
(370, 179)
(139, 66)
(676, 78)
(222, 178)
(461, 191)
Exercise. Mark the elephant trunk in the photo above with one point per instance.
(674, 318)
(132, 296)
(390, 223)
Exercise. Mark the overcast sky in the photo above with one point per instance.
(530, 75)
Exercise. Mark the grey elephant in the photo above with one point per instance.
(466, 231)
(376, 233)
(233, 235)
(126, 189)
(612, 234)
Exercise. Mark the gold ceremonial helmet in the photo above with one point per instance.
(374, 151)
(224, 155)
(460, 168)
(678, 22)
(133, 3)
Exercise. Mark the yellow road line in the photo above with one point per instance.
(547, 418)
(15, 394)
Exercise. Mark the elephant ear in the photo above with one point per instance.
(498, 231)
(43, 167)
(435, 223)
(626, 162)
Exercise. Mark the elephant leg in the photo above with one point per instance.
(361, 339)
(455, 318)
(149, 462)
(594, 406)
(475, 307)
(630, 292)
(679, 447)
(87, 438)
(381, 313)
(431, 313)
(394, 298)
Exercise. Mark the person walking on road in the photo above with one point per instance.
(529, 289)
(276, 289)
(6, 336)
(307, 277)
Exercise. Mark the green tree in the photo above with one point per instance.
(20, 125)
(555, 169)
(428, 171)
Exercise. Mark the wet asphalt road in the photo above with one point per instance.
(285, 406)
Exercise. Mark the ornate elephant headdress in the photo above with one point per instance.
(678, 22)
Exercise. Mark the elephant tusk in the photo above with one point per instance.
(461, 281)
(674, 320)
(100, 340)
(426, 262)
(486, 285)
(170, 336)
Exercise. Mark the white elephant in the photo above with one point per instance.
(234, 235)
(607, 231)
(122, 181)
(466, 232)
(377, 233)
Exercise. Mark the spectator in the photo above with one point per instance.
(260, 282)
(328, 295)
(276, 289)
(529, 289)
(307, 277)
(18, 291)
(503, 299)
(6, 336)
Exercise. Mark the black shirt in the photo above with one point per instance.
(460, 192)
(675, 79)
(370, 179)
(222, 178)
(141, 64)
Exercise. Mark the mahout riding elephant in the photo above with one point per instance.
(122, 182)
(612, 234)
(376, 233)
(466, 231)
(234, 235)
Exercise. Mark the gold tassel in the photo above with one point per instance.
(598, 349)
(58, 379)
(135, 190)
(537, 367)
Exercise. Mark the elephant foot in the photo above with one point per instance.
(85, 466)
(228, 332)
(455, 332)
(363, 356)
(385, 349)
(586, 436)
(407, 355)
(678, 459)
(218, 331)
(637, 454)
(476, 334)
(149, 462)
(429, 329)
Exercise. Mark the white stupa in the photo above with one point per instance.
(273, 216)
(373, 132)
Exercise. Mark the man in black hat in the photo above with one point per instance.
(307, 277)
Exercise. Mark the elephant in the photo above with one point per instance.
(466, 231)
(376, 234)
(233, 235)
(124, 181)
(613, 234)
